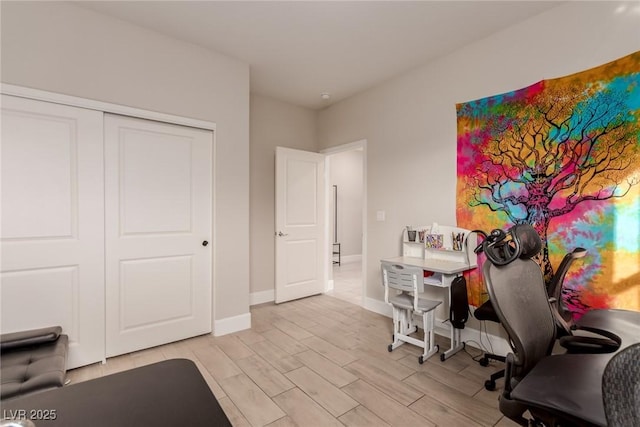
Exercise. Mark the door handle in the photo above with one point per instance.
(281, 234)
(205, 243)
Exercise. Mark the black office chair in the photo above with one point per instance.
(486, 312)
(554, 389)
(621, 388)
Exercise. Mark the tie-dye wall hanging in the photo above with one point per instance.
(564, 156)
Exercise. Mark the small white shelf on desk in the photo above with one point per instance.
(435, 280)
(417, 248)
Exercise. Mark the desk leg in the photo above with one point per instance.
(456, 344)
(456, 341)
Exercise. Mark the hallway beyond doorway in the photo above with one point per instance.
(347, 282)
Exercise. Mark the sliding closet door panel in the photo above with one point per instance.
(52, 232)
(158, 216)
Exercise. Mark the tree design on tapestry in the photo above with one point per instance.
(553, 150)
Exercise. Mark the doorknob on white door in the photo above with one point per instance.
(281, 234)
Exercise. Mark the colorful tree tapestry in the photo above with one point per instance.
(564, 156)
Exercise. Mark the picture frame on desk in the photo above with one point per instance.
(458, 241)
(434, 241)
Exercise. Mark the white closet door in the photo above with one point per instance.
(158, 218)
(52, 234)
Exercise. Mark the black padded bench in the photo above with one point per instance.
(32, 361)
(169, 393)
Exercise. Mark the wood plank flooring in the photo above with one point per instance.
(322, 361)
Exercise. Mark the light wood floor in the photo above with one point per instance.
(322, 361)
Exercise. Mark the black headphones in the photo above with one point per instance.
(501, 248)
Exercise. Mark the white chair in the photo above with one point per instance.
(407, 303)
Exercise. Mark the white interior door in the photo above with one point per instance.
(158, 218)
(52, 236)
(300, 235)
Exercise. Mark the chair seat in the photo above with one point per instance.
(486, 312)
(579, 392)
(401, 300)
(405, 301)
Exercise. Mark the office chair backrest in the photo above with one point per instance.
(519, 298)
(621, 388)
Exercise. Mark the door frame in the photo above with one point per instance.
(360, 144)
(107, 107)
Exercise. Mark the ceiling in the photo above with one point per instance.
(299, 49)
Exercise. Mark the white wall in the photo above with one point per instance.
(63, 48)
(273, 123)
(346, 173)
(409, 122)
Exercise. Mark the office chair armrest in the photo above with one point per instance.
(511, 361)
(591, 345)
(512, 409)
(31, 337)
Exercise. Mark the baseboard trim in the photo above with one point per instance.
(378, 306)
(262, 297)
(330, 285)
(230, 325)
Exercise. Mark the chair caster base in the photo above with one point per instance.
(490, 385)
(390, 348)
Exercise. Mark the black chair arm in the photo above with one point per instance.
(509, 382)
(512, 409)
(591, 345)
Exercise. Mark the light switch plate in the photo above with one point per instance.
(380, 215)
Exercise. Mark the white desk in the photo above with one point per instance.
(448, 270)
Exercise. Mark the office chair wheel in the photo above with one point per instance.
(490, 385)
(390, 348)
(442, 357)
(421, 360)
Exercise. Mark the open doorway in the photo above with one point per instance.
(346, 219)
